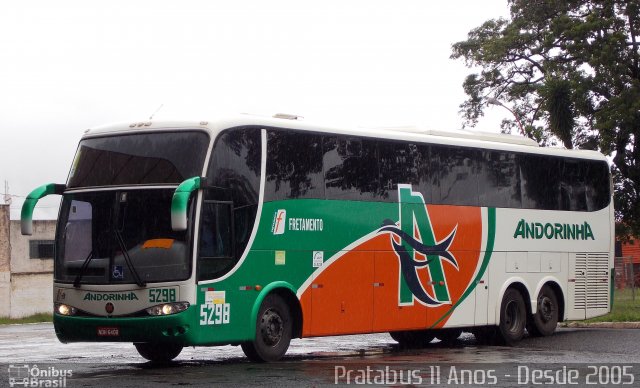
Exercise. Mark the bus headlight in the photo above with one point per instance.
(168, 308)
(64, 309)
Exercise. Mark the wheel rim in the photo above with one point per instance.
(545, 307)
(271, 327)
(513, 318)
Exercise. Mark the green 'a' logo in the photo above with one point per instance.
(417, 239)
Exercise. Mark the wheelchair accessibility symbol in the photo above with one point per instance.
(117, 272)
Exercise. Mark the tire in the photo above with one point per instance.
(159, 353)
(413, 338)
(273, 331)
(545, 320)
(513, 317)
(448, 336)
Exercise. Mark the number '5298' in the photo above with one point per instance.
(214, 314)
(162, 295)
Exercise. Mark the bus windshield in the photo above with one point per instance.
(139, 159)
(120, 236)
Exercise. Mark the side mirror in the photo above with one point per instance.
(26, 215)
(180, 201)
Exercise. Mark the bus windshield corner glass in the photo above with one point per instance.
(139, 159)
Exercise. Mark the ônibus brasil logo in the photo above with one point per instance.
(416, 240)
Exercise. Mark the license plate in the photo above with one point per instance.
(108, 331)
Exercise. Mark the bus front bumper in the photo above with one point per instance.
(174, 328)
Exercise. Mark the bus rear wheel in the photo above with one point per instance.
(513, 317)
(545, 320)
(158, 352)
(273, 331)
(413, 338)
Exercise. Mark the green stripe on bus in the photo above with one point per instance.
(491, 220)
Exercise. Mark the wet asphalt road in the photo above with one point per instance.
(319, 361)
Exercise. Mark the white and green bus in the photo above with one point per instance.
(253, 231)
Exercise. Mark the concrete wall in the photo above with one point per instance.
(20, 261)
(31, 279)
(5, 262)
(31, 294)
(25, 284)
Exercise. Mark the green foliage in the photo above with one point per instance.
(557, 101)
(570, 71)
(30, 319)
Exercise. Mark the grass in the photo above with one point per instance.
(30, 319)
(625, 309)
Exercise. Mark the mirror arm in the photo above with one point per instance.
(180, 201)
(26, 214)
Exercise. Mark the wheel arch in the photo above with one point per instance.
(557, 288)
(287, 292)
(519, 284)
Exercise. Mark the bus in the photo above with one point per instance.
(252, 231)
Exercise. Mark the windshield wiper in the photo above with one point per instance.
(85, 264)
(127, 259)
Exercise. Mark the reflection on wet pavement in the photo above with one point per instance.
(309, 361)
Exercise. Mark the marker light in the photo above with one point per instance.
(168, 308)
(64, 309)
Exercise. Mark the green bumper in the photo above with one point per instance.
(176, 328)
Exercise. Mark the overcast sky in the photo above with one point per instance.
(66, 66)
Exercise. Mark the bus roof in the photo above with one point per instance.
(464, 138)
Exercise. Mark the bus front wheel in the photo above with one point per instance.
(513, 317)
(273, 331)
(158, 352)
(545, 320)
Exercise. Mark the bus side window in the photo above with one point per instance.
(351, 168)
(572, 186)
(597, 185)
(499, 180)
(455, 174)
(401, 163)
(294, 166)
(216, 240)
(540, 180)
(234, 175)
(243, 219)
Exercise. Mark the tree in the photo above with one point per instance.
(570, 69)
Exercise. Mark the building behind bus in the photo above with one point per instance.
(26, 267)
